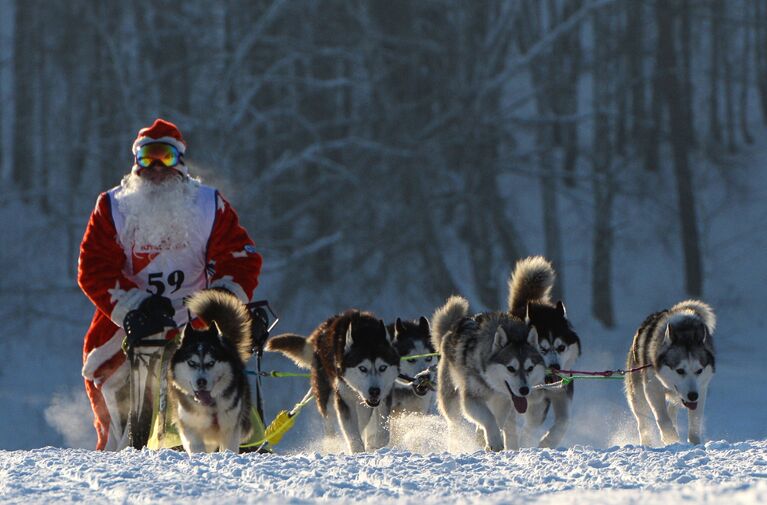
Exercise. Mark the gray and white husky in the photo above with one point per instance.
(677, 344)
(209, 393)
(529, 286)
(412, 338)
(488, 363)
(353, 366)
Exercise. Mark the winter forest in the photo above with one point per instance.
(364, 142)
(387, 154)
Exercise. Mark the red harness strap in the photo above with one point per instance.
(606, 373)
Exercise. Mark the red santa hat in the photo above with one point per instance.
(162, 131)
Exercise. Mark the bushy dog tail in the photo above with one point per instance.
(531, 280)
(445, 317)
(701, 310)
(229, 313)
(294, 347)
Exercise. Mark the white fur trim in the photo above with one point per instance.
(102, 354)
(227, 282)
(126, 301)
(167, 140)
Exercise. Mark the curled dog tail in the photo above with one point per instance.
(531, 280)
(445, 317)
(229, 313)
(294, 347)
(701, 310)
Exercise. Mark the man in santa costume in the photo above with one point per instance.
(155, 239)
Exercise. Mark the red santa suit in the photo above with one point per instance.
(117, 277)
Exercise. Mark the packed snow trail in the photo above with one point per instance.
(719, 472)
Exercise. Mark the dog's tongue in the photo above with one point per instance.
(520, 403)
(203, 397)
(690, 405)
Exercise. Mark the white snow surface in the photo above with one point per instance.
(718, 472)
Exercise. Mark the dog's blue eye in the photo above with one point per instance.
(698, 372)
(363, 369)
(191, 364)
(382, 368)
(210, 364)
(680, 371)
(561, 348)
(511, 369)
(529, 369)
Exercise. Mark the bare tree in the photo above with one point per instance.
(7, 79)
(745, 63)
(760, 53)
(666, 14)
(714, 123)
(602, 177)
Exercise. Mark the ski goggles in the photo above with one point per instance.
(166, 154)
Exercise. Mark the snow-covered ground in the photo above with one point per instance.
(719, 472)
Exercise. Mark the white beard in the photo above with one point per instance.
(158, 216)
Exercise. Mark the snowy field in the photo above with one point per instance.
(719, 472)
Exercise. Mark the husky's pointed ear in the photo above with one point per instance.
(500, 339)
(398, 328)
(423, 325)
(383, 329)
(561, 309)
(186, 331)
(532, 337)
(668, 335)
(348, 341)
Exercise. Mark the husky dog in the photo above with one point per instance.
(555, 338)
(353, 364)
(209, 390)
(487, 363)
(412, 338)
(677, 344)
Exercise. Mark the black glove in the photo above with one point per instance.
(259, 327)
(152, 316)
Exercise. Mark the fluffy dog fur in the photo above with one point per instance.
(412, 338)
(678, 344)
(487, 364)
(354, 365)
(209, 393)
(529, 298)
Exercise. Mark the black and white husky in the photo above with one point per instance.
(353, 366)
(529, 286)
(412, 338)
(488, 363)
(677, 344)
(209, 393)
